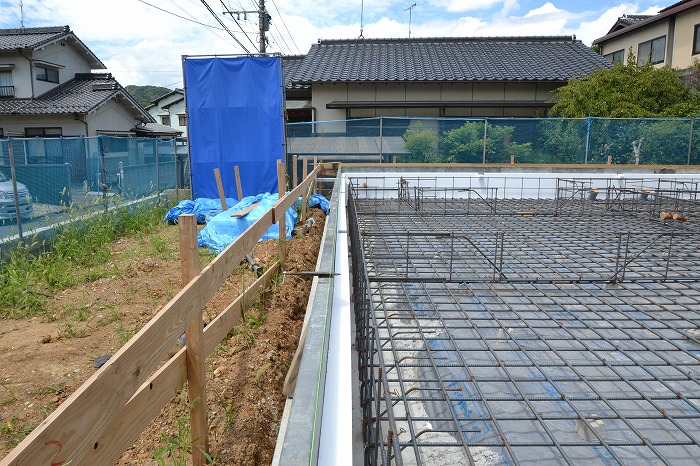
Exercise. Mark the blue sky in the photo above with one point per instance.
(142, 44)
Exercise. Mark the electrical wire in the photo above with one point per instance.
(204, 2)
(237, 23)
(285, 27)
(181, 17)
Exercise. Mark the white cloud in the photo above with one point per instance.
(142, 45)
(546, 9)
(460, 6)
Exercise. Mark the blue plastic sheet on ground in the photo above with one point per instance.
(222, 229)
(203, 208)
(319, 200)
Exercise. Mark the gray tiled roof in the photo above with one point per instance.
(30, 38)
(35, 38)
(290, 67)
(448, 59)
(82, 94)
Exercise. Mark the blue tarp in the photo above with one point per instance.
(319, 200)
(203, 208)
(234, 108)
(222, 229)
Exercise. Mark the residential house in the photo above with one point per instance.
(441, 77)
(170, 110)
(48, 89)
(669, 38)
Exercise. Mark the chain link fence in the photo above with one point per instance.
(674, 141)
(50, 180)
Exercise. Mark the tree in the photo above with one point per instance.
(466, 143)
(629, 91)
(146, 94)
(423, 144)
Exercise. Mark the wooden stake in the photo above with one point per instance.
(281, 221)
(315, 181)
(295, 166)
(393, 160)
(220, 187)
(238, 182)
(194, 341)
(304, 167)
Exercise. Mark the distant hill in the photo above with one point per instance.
(145, 94)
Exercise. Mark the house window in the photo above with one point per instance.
(616, 57)
(165, 119)
(696, 40)
(46, 74)
(43, 132)
(182, 120)
(6, 87)
(654, 49)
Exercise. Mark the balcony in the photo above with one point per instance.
(7, 91)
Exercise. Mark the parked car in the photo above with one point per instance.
(8, 212)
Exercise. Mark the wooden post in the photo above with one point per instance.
(281, 221)
(315, 165)
(194, 341)
(220, 187)
(295, 178)
(609, 159)
(393, 160)
(304, 168)
(238, 182)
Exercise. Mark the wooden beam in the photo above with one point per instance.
(138, 413)
(281, 220)
(72, 429)
(239, 188)
(220, 188)
(295, 166)
(162, 386)
(285, 203)
(218, 328)
(196, 380)
(241, 213)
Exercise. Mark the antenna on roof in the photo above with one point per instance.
(410, 10)
(21, 14)
(362, 18)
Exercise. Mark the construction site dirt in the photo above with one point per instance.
(44, 360)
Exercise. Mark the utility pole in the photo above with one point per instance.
(264, 20)
(263, 24)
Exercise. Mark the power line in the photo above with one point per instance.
(204, 2)
(181, 17)
(285, 27)
(237, 23)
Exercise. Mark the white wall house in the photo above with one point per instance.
(170, 110)
(669, 38)
(47, 88)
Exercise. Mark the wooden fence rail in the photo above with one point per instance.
(106, 414)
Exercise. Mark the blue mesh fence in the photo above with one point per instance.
(500, 140)
(58, 179)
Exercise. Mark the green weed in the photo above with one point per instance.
(13, 433)
(11, 397)
(79, 253)
(123, 334)
(179, 445)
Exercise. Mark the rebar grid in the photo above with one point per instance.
(516, 339)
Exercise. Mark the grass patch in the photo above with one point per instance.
(81, 252)
(13, 431)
